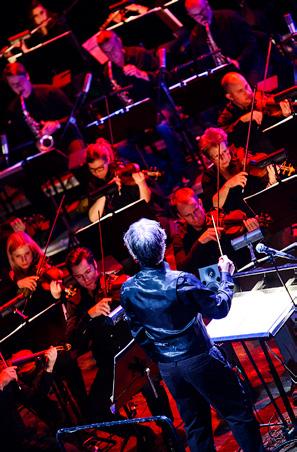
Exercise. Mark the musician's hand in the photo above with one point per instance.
(226, 265)
(7, 375)
(285, 108)
(30, 282)
(51, 357)
(100, 308)
(209, 234)
(56, 289)
(118, 181)
(132, 71)
(272, 171)
(251, 224)
(239, 179)
(257, 116)
(234, 62)
(49, 127)
(18, 225)
(139, 178)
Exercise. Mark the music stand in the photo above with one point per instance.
(114, 225)
(54, 56)
(127, 121)
(132, 370)
(279, 201)
(133, 30)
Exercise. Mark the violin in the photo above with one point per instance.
(238, 159)
(111, 285)
(125, 171)
(232, 222)
(55, 274)
(25, 360)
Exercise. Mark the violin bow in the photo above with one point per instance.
(102, 255)
(217, 235)
(249, 132)
(42, 260)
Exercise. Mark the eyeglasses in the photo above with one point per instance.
(220, 155)
(99, 169)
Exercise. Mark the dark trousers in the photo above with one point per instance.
(204, 380)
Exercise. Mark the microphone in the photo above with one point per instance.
(290, 23)
(87, 83)
(4, 148)
(261, 248)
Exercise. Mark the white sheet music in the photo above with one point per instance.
(254, 314)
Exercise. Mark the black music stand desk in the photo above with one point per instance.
(279, 201)
(258, 315)
(132, 370)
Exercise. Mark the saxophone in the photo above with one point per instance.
(121, 94)
(44, 142)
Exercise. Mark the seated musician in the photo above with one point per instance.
(101, 166)
(15, 436)
(24, 256)
(88, 323)
(194, 241)
(227, 164)
(47, 23)
(43, 112)
(235, 117)
(138, 69)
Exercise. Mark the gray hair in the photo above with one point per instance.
(145, 240)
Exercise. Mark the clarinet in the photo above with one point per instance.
(121, 94)
(218, 57)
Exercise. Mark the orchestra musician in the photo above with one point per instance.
(227, 165)
(235, 117)
(45, 24)
(101, 167)
(47, 109)
(88, 323)
(194, 240)
(13, 391)
(24, 256)
(138, 69)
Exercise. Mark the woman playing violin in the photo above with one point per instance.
(24, 256)
(227, 166)
(102, 172)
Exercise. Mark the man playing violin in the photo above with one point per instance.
(235, 117)
(101, 167)
(88, 326)
(194, 241)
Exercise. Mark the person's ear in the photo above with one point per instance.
(229, 96)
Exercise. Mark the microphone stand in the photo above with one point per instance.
(80, 99)
(273, 260)
(187, 137)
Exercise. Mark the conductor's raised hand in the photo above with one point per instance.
(226, 265)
